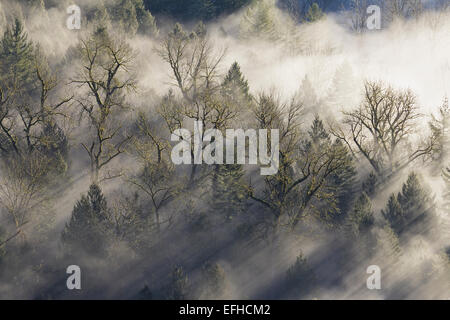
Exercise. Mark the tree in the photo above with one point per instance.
(370, 185)
(27, 103)
(305, 166)
(195, 69)
(402, 8)
(300, 278)
(314, 13)
(412, 210)
(178, 288)
(229, 193)
(213, 281)
(235, 83)
(260, 20)
(89, 228)
(360, 218)
(380, 129)
(440, 127)
(105, 70)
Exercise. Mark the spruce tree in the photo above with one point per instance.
(314, 13)
(360, 219)
(412, 210)
(228, 191)
(16, 61)
(235, 82)
(89, 228)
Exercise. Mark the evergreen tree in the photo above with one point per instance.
(412, 210)
(16, 61)
(314, 13)
(89, 227)
(369, 185)
(235, 82)
(300, 278)
(229, 193)
(260, 21)
(440, 127)
(308, 95)
(393, 212)
(213, 277)
(178, 288)
(361, 219)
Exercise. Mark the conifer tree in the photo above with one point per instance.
(361, 218)
(89, 227)
(413, 208)
(16, 61)
(440, 127)
(314, 13)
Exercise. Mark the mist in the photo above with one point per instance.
(195, 232)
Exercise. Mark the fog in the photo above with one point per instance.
(325, 64)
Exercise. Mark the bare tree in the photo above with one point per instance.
(195, 68)
(381, 128)
(106, 73)
(156, 177)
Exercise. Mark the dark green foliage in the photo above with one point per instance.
(194, 9)
(16, 61)
(89, 228)
(314, 13)
(412, 209)
(300, 278)
(235, 82)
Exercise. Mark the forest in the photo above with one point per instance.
(87, 118)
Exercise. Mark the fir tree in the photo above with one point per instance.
(314, 13)
(16, 61)
(229, 193)
(412, 210)
(369, 185)
(440, 127)
(361, 219)
(89, 227)
(235, 82)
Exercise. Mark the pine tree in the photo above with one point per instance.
(16, 61)
(89, 228)
(412, 210)
(260, 21)
(300, 278)
(308, 95)
(314, 13)
(360, 219)
(440, 127)
(369, 185)
(178, 288)
(146, 21)
(338, 193)
(394, 213)
(235, 82)
(228, 191)
(213, 277)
